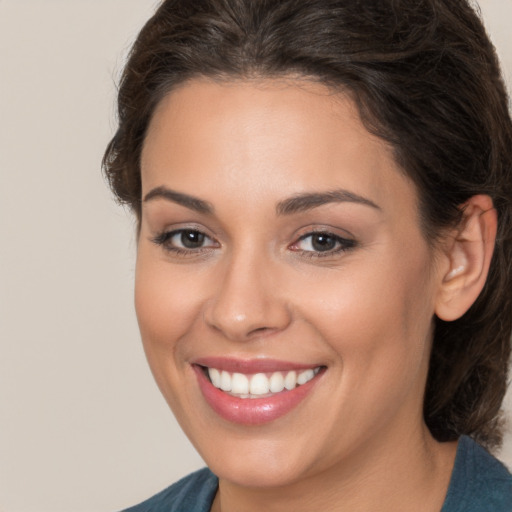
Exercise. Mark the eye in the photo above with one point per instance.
(185, 241)
(322, 243)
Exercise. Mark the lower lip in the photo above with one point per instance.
(252, 411)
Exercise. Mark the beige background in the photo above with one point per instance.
(82, 426)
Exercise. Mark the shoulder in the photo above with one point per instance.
(479, 481)
(193, 493)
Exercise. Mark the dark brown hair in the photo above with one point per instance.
(425, 78)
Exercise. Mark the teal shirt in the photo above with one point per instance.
(479, 483)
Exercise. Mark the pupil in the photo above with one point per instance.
(323, 242)
(192, 239)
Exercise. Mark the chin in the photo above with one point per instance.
(257, 470)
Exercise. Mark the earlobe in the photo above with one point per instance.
(468, 256)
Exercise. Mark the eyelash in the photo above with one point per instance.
(164, 240)
(341, 244)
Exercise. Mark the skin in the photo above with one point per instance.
(256, 289)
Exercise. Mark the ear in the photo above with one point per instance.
(466, 258)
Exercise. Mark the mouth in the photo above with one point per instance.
(257, 392)
(258, 385)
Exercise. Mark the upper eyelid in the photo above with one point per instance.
(324, 232)
(184, 226)
(164, 236)
(340, 239)
(324, 229)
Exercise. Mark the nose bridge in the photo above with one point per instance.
(245, 300)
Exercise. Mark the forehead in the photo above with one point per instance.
(268, 138)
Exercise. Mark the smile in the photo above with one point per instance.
(259, 385)
(254, 392)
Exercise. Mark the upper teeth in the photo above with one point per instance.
(249, 386)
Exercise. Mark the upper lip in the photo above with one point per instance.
(251, 366)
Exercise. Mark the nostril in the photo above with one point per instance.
(260, 330)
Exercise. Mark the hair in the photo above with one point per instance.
(425, 78)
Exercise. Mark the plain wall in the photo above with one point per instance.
(82, 425)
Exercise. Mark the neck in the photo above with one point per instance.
(395, 472)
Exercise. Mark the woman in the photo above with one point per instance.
(323, 287)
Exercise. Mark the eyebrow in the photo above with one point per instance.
(190, 202)
(295, 204)
(305, 202)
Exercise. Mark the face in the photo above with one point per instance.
(284, 290)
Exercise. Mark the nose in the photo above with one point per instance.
(247, 302)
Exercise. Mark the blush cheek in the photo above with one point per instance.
(165, 312)
(370, 321)
(166, 307)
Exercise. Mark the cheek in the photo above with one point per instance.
(379, 334)
(375, 318)
(167, 302)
